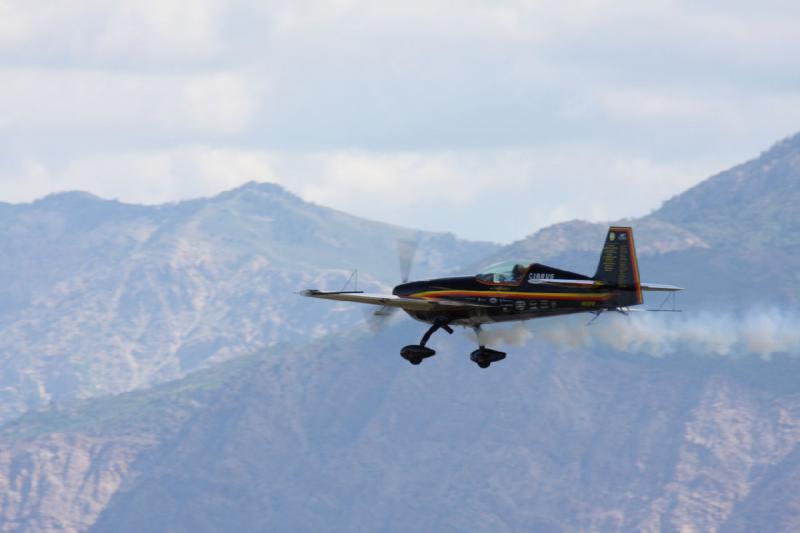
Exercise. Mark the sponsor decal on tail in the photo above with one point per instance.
(618, 267)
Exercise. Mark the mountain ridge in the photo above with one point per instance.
(158, 291)
(277, 435)
(340, 434)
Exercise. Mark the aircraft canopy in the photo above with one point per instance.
(505, 272)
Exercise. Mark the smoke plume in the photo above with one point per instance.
(763, 334)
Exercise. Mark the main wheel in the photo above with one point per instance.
(484, 364)
(415, 353)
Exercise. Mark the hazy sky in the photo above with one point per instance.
(486, 118)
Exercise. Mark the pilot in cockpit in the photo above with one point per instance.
(517, 272)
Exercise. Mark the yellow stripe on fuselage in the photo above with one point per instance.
(521, 295)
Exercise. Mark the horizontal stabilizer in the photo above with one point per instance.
(659, 287)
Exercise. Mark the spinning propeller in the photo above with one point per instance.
(406, 252)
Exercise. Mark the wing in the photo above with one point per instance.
(390, 300)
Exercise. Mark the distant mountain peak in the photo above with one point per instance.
(258, 189)
(68, 198)
(748, 206)
(784, 147)
(752, 204)
(261, 186)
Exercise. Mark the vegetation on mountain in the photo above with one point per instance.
(337, 433)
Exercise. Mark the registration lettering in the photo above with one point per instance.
(536, 276)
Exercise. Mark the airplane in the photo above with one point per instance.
(512, 291)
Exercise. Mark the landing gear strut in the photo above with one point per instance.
(483, 356)
(415, 353)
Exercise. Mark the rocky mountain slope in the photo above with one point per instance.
(342, 435)
(751, 206)
(733, 240)
(101, 296)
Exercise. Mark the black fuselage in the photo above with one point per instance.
(511, 291)
(528, 297)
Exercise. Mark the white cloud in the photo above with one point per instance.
(121, 106)
(491, 118)
(649, 105)
(724, 111)
(119, 34)
(497, 195)
(139, 177)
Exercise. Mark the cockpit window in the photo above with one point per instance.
(506, 272)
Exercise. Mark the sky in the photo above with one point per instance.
(489, 119)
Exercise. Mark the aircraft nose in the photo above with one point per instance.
(404, 289)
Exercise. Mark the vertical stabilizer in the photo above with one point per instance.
(618, 267)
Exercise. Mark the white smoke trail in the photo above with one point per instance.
(763, 334)
(515, 335)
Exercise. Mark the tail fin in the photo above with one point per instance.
(618, 267)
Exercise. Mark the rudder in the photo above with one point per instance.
(619, 268)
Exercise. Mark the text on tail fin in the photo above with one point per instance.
(618, 266)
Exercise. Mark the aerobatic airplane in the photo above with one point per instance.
(511, 291)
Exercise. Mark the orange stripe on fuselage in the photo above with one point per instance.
(517, 295)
